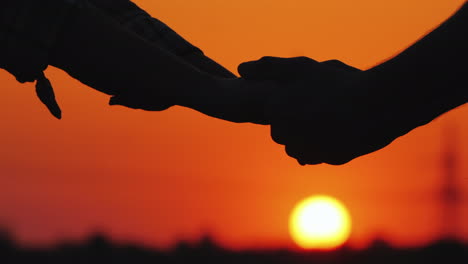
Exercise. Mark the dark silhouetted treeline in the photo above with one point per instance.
(99, 249)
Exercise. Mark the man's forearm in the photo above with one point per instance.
(429, 78)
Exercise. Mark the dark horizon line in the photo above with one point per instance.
(208, 241)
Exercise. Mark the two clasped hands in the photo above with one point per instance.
(330, 112)
(322, 112)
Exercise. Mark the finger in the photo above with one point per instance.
(316, 146)
(275, 68)
(260, 69)
(304, 155)
(341, 145)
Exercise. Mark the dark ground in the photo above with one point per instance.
(98, 249)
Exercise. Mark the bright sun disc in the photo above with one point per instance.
(320, 222)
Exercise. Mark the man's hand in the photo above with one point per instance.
(324, 113)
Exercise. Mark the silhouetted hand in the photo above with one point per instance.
(324, 112)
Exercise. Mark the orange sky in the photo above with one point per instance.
(157, 177)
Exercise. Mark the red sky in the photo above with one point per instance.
(157, 177)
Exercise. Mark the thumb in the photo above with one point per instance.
(274, 68)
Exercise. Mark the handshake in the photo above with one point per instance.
(322, 112)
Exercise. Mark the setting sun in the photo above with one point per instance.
(320, 222)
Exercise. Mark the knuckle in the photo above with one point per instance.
(292, 152)
(277, 137)
(335, 61)
(280, 133)
(242, 67)
(304, 59)
(303, 155)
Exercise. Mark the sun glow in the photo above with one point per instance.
(320, 222)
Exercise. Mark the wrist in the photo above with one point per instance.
(410, 101)
(235, 100)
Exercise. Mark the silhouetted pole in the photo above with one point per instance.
(450, 193)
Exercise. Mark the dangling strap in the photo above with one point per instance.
(45, 92)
